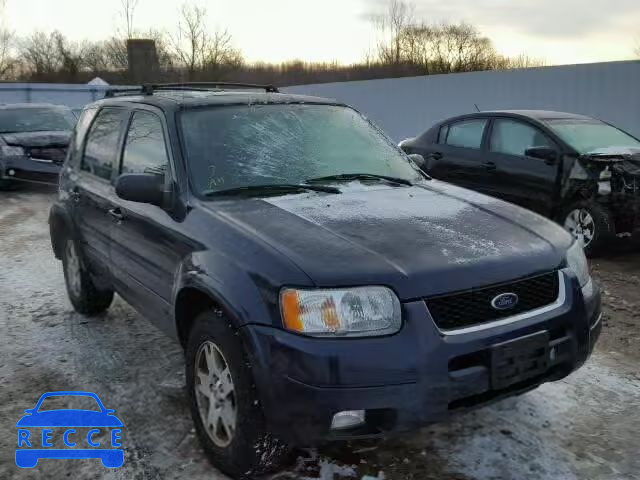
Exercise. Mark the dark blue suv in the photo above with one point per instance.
(322, 286)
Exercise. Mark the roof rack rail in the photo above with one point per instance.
(148, 89)
(141, 90)
(213, 85)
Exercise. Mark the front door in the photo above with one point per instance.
(530, 182)
(146, 250)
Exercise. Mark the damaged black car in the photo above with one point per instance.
(33, 142)
(582, 172)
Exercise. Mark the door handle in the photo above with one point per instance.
(489, 165)
(116, 214)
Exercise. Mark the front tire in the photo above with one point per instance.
(591, 224)
(85, 297)
(224, 404)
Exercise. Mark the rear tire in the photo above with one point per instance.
(225, 394)
(85, 297)
(590, 223)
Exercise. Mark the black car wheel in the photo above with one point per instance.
(591, 224)
(85, 297)
(224, 405)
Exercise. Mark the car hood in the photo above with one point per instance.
(69, 418)
(37, 139)
(418, 240)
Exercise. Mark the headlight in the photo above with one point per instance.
(8, 151)
(577, 262)
(355, 312)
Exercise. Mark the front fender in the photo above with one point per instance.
(245, 297)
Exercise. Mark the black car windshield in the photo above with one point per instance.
(249, 145)
(588, 135)
(36, 119)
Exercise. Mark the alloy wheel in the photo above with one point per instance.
(72, 267)
(215, 394)
(581, 225)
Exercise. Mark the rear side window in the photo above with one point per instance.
(145, 150)
(102, 143)
(514, 138)
(467, 134)
(80, 132)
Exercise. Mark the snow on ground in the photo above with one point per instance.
(584, 427)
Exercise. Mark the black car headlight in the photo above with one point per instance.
(577, 261)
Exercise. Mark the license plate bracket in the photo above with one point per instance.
(519, 359)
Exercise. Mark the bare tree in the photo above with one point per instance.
(392, 25)
(7, 42)
(38, 52)
(69, 54)
(198, 50)
(127, 12)
(190, 42)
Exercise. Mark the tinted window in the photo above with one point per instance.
(228, 147)
(513, 137)
(144, 150)
(80, 131)
(102, 143)
(588, 135)
(442, 134)
(36, 119)
(466, 134)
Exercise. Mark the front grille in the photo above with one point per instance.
(55, 154)
(472, 307)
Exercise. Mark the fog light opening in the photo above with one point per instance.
(11, 172)
(347, 419)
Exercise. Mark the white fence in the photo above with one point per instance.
(405, 107)
(72, 95)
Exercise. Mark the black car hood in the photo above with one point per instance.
(418, 240)
(37, 139)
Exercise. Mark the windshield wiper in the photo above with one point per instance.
(271, 189)
(347, 177)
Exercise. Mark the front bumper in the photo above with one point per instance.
(27, 169)
(404, 381)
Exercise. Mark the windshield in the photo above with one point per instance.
(20, 120)
(588, 135)
(249, 145)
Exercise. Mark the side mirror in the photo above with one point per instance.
(548, 154)
(417, 159)
(141, 188)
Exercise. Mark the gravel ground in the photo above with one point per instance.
(584, 427)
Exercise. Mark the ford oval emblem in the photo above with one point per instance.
(504, 301)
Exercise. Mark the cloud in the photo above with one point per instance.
(548, 18)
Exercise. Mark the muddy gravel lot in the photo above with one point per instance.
(584, 427)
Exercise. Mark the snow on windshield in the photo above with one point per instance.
(36, 120)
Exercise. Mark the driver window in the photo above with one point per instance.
(514, 138)
(145, 150)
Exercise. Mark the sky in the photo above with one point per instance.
(557, 31)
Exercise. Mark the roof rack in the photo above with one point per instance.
(213, 85)
(191, 86)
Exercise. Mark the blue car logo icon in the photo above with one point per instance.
(38, 428)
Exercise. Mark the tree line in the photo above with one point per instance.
(406, 46)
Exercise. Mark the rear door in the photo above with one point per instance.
(92, 192)
(459, 155)
(527, 181)
(146, 244)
